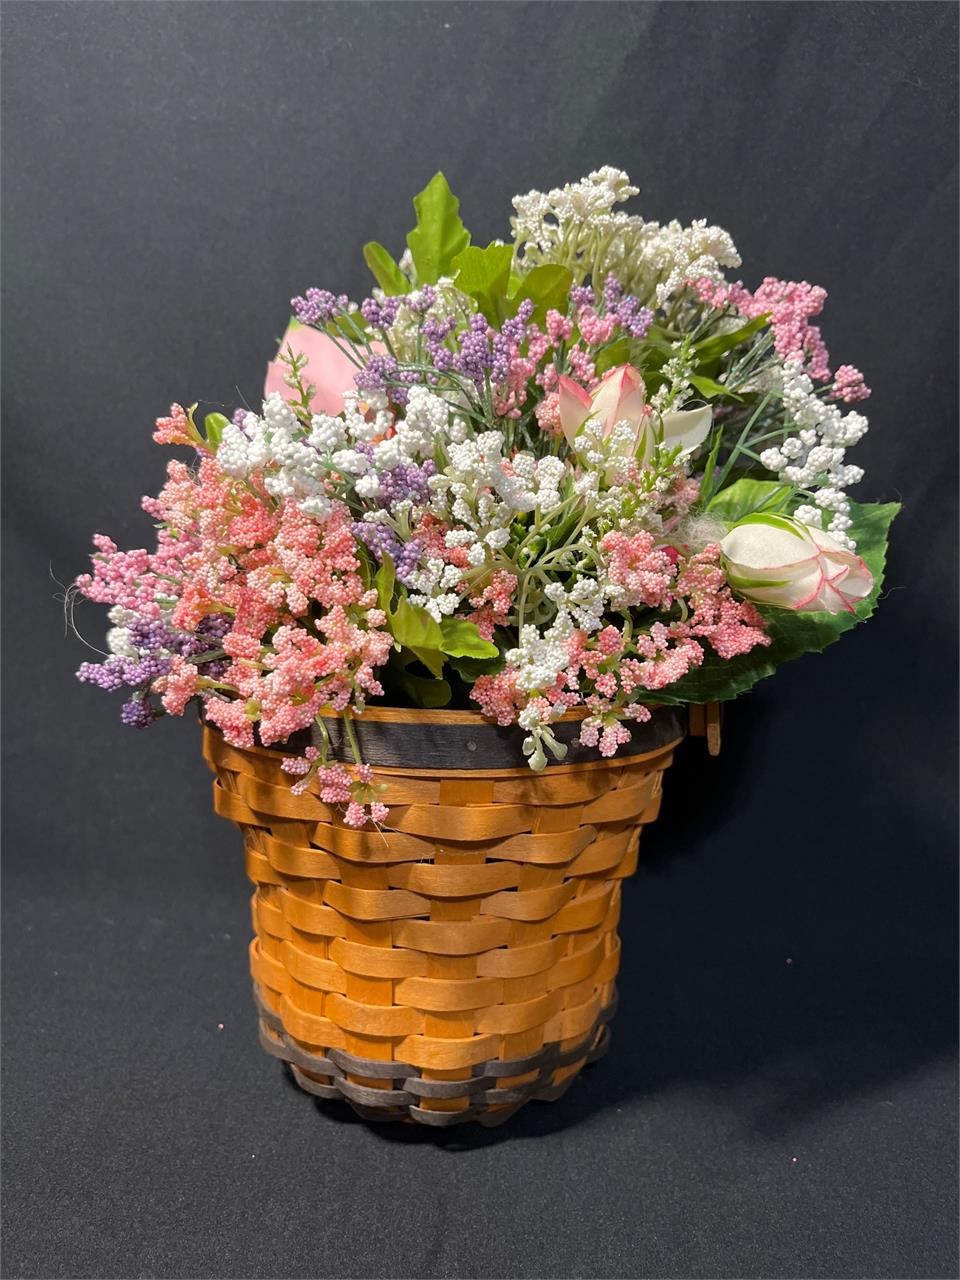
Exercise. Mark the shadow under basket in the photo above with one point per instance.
(460, 960)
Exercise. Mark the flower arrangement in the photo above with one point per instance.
(579, 469)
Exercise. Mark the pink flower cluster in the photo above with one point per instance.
(609, 669)
(304, 631)
(791, 307)
(338, 785)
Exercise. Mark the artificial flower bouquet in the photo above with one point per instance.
(578, 477)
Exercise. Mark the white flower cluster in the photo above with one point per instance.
(484, 493)
(674, 254)
(813, 459)
(589, 202)
(585, 600)
(650, 260)
(300, 461)
(432, 588)
(540, 656)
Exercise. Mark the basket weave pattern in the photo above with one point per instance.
(456, 963)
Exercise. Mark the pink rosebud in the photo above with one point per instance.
(573, 407)
(776, 560)
(327, 368)
(619, 396)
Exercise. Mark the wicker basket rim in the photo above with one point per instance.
(424, 715)
(522, 771)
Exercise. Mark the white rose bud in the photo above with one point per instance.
(776, 560)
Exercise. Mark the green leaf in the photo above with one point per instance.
(746, 497)
(710, 466)
(617, 353)
(384, 581)
(384, 269)
(469, 669)
(792, 634)
(547, 287)
(423, 692)
(710, 348)
(484, 275)
(462, 639)
(439, 234)
(414, 627)
(432, 659)
(213, 425)
(711, 390)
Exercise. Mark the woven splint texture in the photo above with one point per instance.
(455, 963)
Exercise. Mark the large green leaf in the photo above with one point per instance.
(421, 690)
(745, 497)
(547, 287)
(462, 639)
(385, 271)
(710, 389)
(484, 275)
(615, 354)
(792, 634)
(414, 627)
(439, 234)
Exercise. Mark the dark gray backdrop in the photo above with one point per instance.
(779, 1100)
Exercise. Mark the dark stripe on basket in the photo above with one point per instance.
(481, 1088)
(425, 745)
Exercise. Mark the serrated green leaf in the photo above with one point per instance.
(747, 497)
(439, 234)
(792, 634)
(462, 639)
(547, 287)
(484, 275)
(213, 426)
(384, 269)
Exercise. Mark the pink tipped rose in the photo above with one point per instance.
(620, 396)
(776, 560)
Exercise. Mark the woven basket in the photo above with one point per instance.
(461, 960)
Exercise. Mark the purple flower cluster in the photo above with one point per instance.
(119, 670)
(507, 342)
(379, 370)
(475, 358)
(318, 307)
(406, 483)
(384, 542)
(148, 636)
(422, 299)
(634, 319)
(435, 332)
(380, 315)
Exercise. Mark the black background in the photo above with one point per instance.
(780, 1097)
